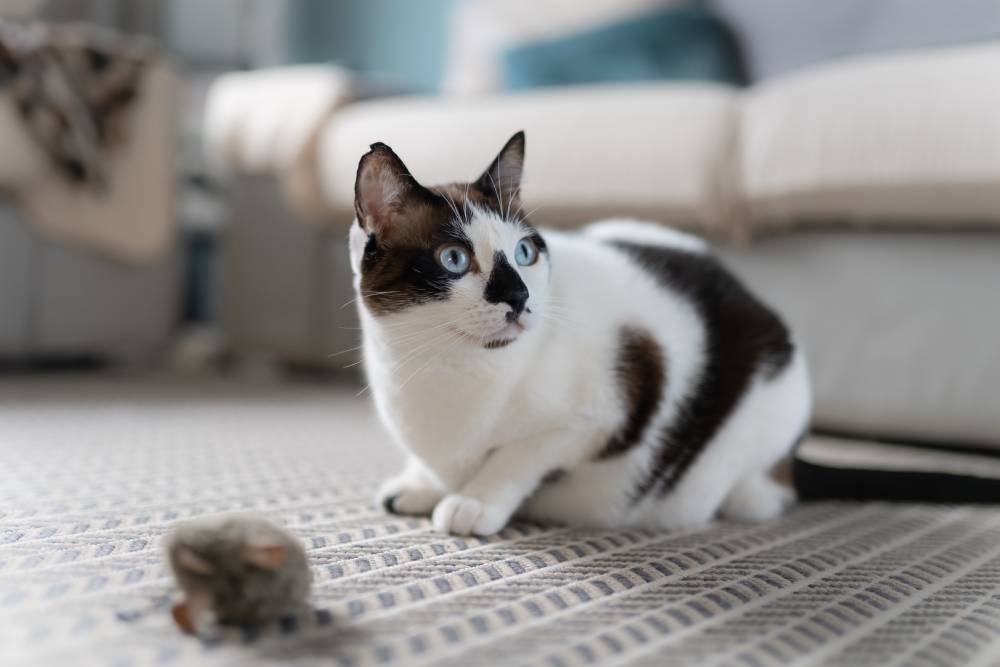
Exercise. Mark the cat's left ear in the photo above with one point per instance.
(382, 191)
(502, 179)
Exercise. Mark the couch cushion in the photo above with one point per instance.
(778, 36)
(684, 42)
(900, 327)
(480, 30)
(907, 138)
(659, 150)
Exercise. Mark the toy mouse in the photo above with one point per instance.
(236, 570)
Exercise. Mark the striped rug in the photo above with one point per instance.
(94, 473)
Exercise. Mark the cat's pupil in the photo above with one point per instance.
(525, 253)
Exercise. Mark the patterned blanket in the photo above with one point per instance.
(93, 474)
(73, 87)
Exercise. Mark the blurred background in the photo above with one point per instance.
(176, 175)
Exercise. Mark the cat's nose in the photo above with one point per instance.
(516, 302)
(506, 286)
(511, 316)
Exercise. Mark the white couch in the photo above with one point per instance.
(867, 190)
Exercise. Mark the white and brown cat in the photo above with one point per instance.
(618, 376)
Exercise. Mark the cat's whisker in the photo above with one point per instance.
(340, 352)
(369, 294)
(410, 355)
(496, 190)
(451, 203)
(526, 215)
(403, 297)
(413, 353)
(449, 343)
(465, 202)
(407, 335)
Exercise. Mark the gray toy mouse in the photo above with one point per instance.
(236, 570)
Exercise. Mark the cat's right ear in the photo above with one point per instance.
(381, 189)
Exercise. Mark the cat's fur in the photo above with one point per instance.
(642, 385)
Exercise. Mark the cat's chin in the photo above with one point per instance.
(497, 339)
(504, 337)
(498, 343)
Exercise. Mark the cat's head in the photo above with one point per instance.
(461, 257)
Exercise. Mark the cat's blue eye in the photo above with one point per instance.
(526, 252)
(454, 259)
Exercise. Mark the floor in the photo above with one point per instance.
(95, 471)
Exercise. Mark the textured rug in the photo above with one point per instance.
(93, 474)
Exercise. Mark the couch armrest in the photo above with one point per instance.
(258, 122)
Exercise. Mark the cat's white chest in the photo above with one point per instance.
(443, 411)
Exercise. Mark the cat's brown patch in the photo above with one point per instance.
(641, 372)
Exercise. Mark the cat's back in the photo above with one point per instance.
(684, 266)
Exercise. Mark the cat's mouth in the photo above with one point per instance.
(507, 335)
(500, 338)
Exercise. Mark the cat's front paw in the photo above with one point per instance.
(462, 515)
(398, 495)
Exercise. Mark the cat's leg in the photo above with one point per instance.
(760, 432)
(757, 497)
(510, 474)
(413, 491)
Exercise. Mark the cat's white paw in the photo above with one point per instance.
(462, 515)
(399, 495)
(757, 497)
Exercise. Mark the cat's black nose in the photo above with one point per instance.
(516, 301)
(506, 286)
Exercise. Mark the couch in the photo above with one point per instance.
(859, 197)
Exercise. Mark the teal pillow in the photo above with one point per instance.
(686, 42)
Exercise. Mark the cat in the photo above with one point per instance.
(618, 376)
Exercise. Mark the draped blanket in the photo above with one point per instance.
(73, 86)
(87, 129)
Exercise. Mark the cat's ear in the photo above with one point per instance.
(382, 189)
(502, 179)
